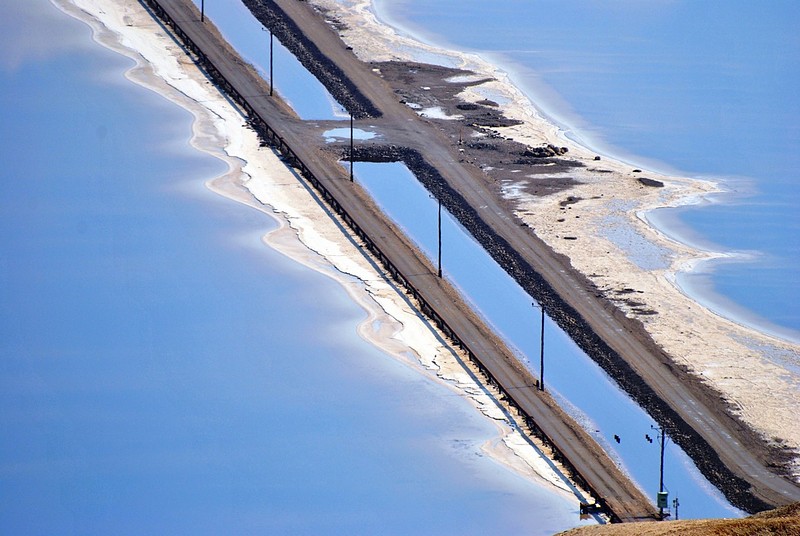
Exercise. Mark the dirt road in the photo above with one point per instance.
(728, 453)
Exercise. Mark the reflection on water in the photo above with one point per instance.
(163, 372)
(571, 376)
(657, 83)
(304, 93)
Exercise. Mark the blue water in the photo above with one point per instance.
(304, 93)
(578, 383)
(707, 88)
(161, 372)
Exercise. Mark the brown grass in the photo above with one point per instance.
(783, 521)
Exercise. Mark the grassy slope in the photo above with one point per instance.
(783, 521)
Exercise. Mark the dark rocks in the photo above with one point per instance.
(651, 182)
(545, 152)
(570, 200)
(492, 119)
(482, 145)
(467, 106)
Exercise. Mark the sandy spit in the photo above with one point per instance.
(614, 244)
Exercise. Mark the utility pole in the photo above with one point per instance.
(661, 465)
(351, 147)
(439, 271)
(270, 58)
(541, 348)
(440, 238)
(270, 63)
(202, 10)
(662, 500)
(676, 504)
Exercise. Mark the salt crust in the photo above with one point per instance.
(305, 233)
(756, 373)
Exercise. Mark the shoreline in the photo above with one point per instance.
(566, 123)
(239, 125)
(706, 295)
(721, 352)
(306, 234)
(720, 187)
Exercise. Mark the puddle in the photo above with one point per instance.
(335, 134)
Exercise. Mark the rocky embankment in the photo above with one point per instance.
(471, 126)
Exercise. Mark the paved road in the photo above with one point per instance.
(584, 454)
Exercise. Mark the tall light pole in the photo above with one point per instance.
(351, 146)
(662, 499)
(270, 63)
(439, 272)
(440, 238)
(202, 10)
(541, 348)
(270, 58)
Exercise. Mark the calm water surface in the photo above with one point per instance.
(162, 372)
(707, 88)
(579, 384)
(307, 96)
